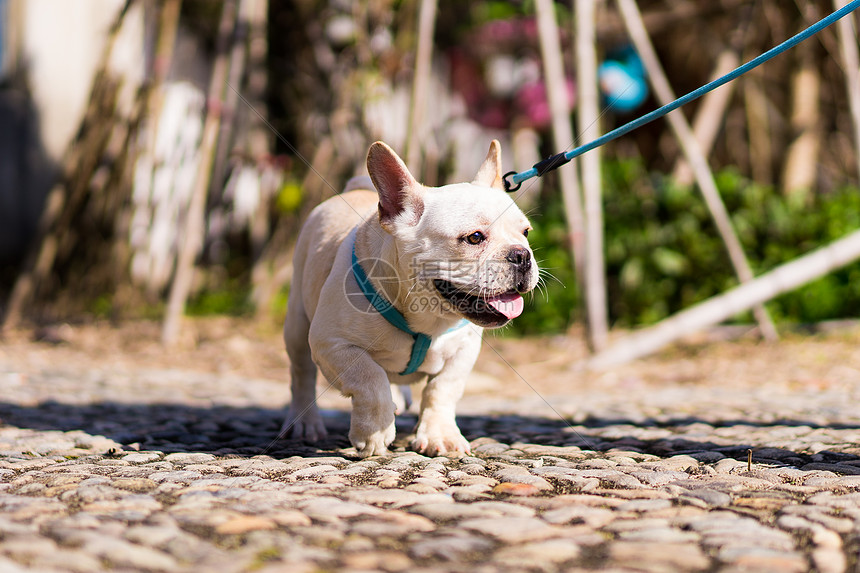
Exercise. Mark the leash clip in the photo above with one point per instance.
(507, 183)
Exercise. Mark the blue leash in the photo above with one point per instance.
(556, 161)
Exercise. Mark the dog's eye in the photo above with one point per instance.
(475, 238)
(526, 233)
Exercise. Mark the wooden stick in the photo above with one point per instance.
(589, 130)
(192, 243)
(782, 279)
(420, 84)
(851, 63)
(562, 132)
(698, 162)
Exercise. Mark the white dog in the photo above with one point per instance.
(395, 286)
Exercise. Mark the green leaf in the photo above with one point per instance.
(669, 262)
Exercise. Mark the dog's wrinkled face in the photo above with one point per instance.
(465, 245)
(476, 253)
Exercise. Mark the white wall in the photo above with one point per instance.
(62, 43)
(59, 44)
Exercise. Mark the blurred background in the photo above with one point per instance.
(143, 140)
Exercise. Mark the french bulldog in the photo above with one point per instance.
(450, 261)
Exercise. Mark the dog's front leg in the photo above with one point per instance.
(359, 377)
(437, 432)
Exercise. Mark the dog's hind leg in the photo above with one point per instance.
(402, 396)
(303, 417)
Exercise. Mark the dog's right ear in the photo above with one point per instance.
(398, 190)
(490, 172)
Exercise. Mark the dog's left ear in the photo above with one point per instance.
(490, 173)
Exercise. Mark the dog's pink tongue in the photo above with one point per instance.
(509, 304)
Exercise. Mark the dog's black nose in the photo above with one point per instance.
(521, 257)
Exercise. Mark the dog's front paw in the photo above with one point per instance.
(440, 440)
(303, 424)
(372, 443)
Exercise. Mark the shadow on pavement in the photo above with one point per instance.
(250, 431)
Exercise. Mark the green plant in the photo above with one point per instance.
(229, 300)
(554, 303)
(664, 254)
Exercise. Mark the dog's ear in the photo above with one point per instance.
(490, 173)
(398, 190)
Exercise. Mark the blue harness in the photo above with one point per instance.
(420, 342)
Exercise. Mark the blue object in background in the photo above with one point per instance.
(623, 80)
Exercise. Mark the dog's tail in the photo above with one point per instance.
(360, 182)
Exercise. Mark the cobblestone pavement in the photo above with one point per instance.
(108, 463)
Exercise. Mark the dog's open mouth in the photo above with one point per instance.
(487, 311)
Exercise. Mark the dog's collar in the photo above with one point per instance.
(420, 342)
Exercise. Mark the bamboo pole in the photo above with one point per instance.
(756, 107)
(238, 51)
(801, 158)
(704, 177)
(562, 132)
(851, 63)
(123, 208)
(274, 265)
(710, 116)
(258, 137)
(192, 242)
(149, 106)
(420, 84)
(589, 130)
(168, 24)
(782, 279)
(13, 27)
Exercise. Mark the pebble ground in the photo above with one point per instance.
(742, 458)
